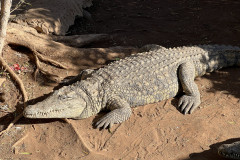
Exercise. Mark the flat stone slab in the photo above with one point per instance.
(51, 16)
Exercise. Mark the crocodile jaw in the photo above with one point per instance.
(36, 111)
(63, 103)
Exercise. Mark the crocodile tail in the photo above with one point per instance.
(238, 59)
(230, 57)
(223, 56)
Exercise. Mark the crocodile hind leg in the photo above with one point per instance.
(191, 100)
(120, 111)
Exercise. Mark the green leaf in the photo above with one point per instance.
(26, 153)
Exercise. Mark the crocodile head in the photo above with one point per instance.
(231, 151)
(63, 103)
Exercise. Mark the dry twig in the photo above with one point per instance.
(20, 3)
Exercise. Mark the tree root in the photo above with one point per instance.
(11, 124)
(15, 145)
(45, 59)
(80, 40)
(20, 83)
(87, 148)
(39, 57)
(22, 89)
(15, 77)
(39, 68)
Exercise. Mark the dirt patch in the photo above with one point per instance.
(155, 131)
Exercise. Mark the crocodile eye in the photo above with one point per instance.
(63, 97)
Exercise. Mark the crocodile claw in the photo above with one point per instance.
(114, 117)
(107, 120)
(188, 104)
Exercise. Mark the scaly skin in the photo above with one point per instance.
(140, 79)
(231, 151)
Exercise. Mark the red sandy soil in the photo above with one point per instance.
(155, 131)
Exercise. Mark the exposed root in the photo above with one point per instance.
(16, 78)
(80, 40)
(38, 68)
(15, 145)
(20, 83)
(45, 59)
(40, 56)
(11, 124)
(79, 136)
(22, 89)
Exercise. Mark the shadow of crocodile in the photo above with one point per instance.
(226, 80)
(212, 153)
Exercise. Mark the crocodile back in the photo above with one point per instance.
(152, 76)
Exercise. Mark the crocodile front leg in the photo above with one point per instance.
(191, 100)
(82, 76)
(120, 111)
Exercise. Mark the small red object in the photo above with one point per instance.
(16, 67)
(23, 68)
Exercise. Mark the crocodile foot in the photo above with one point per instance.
(115, 116)
(188, 104)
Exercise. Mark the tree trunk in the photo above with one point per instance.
(5, 13)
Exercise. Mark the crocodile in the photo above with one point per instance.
(143, 78)
(230, 151)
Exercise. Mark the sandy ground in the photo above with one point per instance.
(156, 131)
